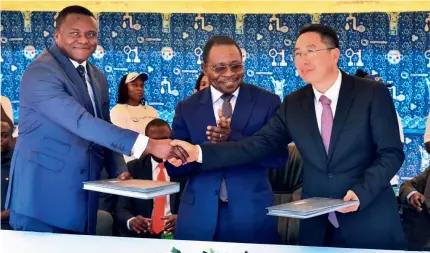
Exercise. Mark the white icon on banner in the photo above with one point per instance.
(185, 35)
(350, 54)
(240, 27)
(29, 52)
(277, 26)
(279, 87)
(427, 23)
(273, 53)
(353, 20)
(207, 28)
(13, 68)
(394, 22)
(167, 83)
(130, 19)
(167, 53)
(99, 53)
(394, 57)
(166, 22)
(27, 21)
(316, 17)
(128, 51)
(393, 91)
(198, 52)
(55, 19)
(427, 56)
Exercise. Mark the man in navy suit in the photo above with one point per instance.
(66, 136)
(346, 131)
(226, 204)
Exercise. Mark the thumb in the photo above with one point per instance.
(176, 143)
(348, 196)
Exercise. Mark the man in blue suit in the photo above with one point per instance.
(226, 204)
(65, 134)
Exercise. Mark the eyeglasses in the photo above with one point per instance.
(310, 53)
(222, 69)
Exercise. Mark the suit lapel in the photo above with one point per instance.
(77, 82)
(96, 89)
(346, 98)
(311, 122)
(243, 109)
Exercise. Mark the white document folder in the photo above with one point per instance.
(134, 188)
(308, 208)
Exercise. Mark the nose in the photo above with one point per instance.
(228, 72)
(82, 39)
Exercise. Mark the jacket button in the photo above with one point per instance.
(330, 175)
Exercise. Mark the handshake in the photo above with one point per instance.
(175, 151)
(179, 152)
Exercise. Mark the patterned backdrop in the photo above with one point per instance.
(169, 48)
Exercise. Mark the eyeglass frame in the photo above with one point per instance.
(226, 66)
(314, 52)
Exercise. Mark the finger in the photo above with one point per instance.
(177, 154)
(416, 202)
(220, 115)
(183, 155)
(213, 129)
(135, 229)
(139, 226)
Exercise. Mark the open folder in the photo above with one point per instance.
(134, 188)
(308, 208)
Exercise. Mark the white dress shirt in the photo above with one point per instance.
(141, 141)
(155, 172)
(333, 94)
(217, 101)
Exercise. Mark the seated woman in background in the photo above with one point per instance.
(201, 83)
(130, 112)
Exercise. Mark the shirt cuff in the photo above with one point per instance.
(139, 146)
(200, 159)
(410, 194)
(128, 223)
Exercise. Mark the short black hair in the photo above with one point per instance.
(199, 79)
(122, 97)
(361, 73)
(218, 40)
(156, 123)
(74, 9)
(328, 35)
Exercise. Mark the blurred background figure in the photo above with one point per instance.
(130, 112)
(201, 83)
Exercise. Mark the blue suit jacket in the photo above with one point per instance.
(248, 187)
(61, 144)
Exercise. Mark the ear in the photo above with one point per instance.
(336, 54)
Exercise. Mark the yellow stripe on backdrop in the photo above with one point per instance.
(208, 6)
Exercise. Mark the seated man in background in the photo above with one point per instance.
(149, 218)
(6, 156)
(417, 222)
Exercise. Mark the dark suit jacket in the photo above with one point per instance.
(131, 207)
(364, 155)
(62, 144)
(248, 187)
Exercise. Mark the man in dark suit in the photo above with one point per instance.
(66, 136)
(227, 204)
(135, 216)
(345, 129)
(416, 192)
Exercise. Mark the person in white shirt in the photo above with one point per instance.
(149, 218)
(131, 112)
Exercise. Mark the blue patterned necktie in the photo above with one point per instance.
(227, 111)
(81, 71)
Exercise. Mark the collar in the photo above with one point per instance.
(154, 164)
(76, 64)
(333, 92)
(216, 94)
